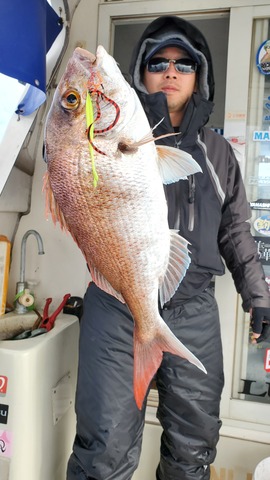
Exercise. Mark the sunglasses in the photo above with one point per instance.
(182, 65)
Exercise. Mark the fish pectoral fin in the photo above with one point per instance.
(178, 264)
(126, 146)
(103, 283)
(175, 164)
(148, 356)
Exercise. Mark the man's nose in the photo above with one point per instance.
(171, 72)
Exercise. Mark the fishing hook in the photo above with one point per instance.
(102, 96)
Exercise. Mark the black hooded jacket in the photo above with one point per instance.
(209, 209)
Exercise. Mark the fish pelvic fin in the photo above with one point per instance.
(51, 205)
(148, 357)
(179, 261)
(175, 164)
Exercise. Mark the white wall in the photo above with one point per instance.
(62, 269)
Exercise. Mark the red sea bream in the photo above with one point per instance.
(105, 185)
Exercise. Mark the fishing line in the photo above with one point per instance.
(102, 96)
(91, 131)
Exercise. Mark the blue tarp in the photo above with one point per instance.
(28, 29)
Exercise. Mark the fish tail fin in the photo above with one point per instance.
(147, 359)
(148, 356)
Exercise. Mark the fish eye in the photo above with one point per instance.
(71, 100)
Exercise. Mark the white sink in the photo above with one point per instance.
(12, 324)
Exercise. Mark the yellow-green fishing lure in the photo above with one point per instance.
(90, 126)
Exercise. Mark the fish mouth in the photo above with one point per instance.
(82, 53)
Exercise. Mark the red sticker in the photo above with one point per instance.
(3, 384)
(267, 360)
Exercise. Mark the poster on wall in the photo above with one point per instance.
(263, 58)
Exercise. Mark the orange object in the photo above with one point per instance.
(5, 247)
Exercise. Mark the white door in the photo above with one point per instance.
(236, 31)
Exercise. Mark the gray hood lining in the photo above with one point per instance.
(203, 87)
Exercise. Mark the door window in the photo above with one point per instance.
(253, 377)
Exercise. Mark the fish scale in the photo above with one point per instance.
(120, 223)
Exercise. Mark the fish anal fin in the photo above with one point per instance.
(179, 261)
(103, 283)
(148, 357)
(175, 164)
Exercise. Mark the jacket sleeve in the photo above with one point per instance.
(236, 244)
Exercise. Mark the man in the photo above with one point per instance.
(172, 74)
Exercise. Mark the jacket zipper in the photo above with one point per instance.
(191, 199)
(191, 195)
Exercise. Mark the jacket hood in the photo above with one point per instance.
(172, 27)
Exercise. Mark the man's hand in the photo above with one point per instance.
(260, 324)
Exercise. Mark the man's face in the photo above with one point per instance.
(178, 87)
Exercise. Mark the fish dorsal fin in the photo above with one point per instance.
(175, 164)
(178, 264)
(102, 283)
